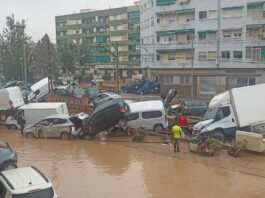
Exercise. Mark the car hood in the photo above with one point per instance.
(201, 124)
(29, 126)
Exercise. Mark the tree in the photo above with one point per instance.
(45, 59)
(12, 40)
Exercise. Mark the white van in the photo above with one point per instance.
(25, 182)
(39, 90)
(148, 114)
(34, 112)
(10, 99)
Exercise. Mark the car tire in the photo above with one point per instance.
(13, 127)
(30, 135)
(219, 135)
(9, 165)
(158, 128)
(122, 122)
(125, 91)
(141, 93)
(65, 136)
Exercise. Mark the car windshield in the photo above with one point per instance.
(210, 114)
(46, 193)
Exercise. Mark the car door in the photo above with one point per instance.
(98, 121)
(134, 120)
(111, 115)
(41, 128)
(151, 118)
(56, 127)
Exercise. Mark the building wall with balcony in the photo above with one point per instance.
(241, 39)
(99, 32)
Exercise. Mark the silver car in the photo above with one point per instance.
(55, 126)
(104, 97)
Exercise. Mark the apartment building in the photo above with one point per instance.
(100, 33)
(203, 47)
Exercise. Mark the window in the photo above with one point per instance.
(202, 36)
(237, 54)
(207, 85)
(233, 82)
(222, 113)
(158, 39)
(212, 14)
(253, 53)
(232, 12)
(158, 20)
(98, 116)
(158, 57)
(152, 21)
(212, 36)
(2, 190)
(202, 55)
(203, 15)
(184, 80)
(237, 34)
(151, 114)
(59, 121)
(133, 116)
(171, 57)
(225, 54)
(226, 34)
(212, 55)
(168, 80)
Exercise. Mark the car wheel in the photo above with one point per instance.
(65, 136)
(122, 122)
(219, 135)
(158, 128)
(156, 88)
(9, 165)
(30, 135)
(141, 93)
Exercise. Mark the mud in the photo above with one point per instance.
(85, 169)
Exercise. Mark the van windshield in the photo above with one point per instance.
(46, 193)
(210, 114)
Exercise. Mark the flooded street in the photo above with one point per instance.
(85, 169)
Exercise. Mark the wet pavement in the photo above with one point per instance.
(85, 169)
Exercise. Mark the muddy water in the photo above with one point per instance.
(84, 169)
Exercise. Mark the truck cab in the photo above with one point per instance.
(25, 182)
(219, 122)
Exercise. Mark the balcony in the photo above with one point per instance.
(178, 63)
(176, 25)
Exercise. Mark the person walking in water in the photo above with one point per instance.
(21, 121)
(176, 131)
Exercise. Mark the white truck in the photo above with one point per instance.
(25, 182)
(236, 109)
(38, 91)
(10, 99)
(34, 112)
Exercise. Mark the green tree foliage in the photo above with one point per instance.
(11, 49)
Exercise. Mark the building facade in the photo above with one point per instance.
(101, 34)
(203, 47)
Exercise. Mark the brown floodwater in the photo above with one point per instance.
(84, 169)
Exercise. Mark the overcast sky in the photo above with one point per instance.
(40, 14)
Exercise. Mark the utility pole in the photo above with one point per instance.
(117, 68)
(192, 65)
(218, 34)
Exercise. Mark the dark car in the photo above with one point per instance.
(133, 86)
(149, 87)
(8, 157)
(109, 114)
(194, 107)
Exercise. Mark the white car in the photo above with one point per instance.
(104, 97)
(25, 182)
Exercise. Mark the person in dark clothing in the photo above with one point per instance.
(21, 121)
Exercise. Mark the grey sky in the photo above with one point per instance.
(40, 14)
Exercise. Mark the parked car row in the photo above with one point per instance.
(141, 87)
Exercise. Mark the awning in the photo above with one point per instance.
(255, 26)
(174, 32)
(263, 52)
(165, 2)
(264, 7)
(256, 4)
(185, 11)
(234, 7)
(166, 13)
(206, 31)
(162, 51)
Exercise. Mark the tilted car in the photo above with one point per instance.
(55, 126)
(133, 86)
(8, 157)
(109, 114)
(194, 107)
